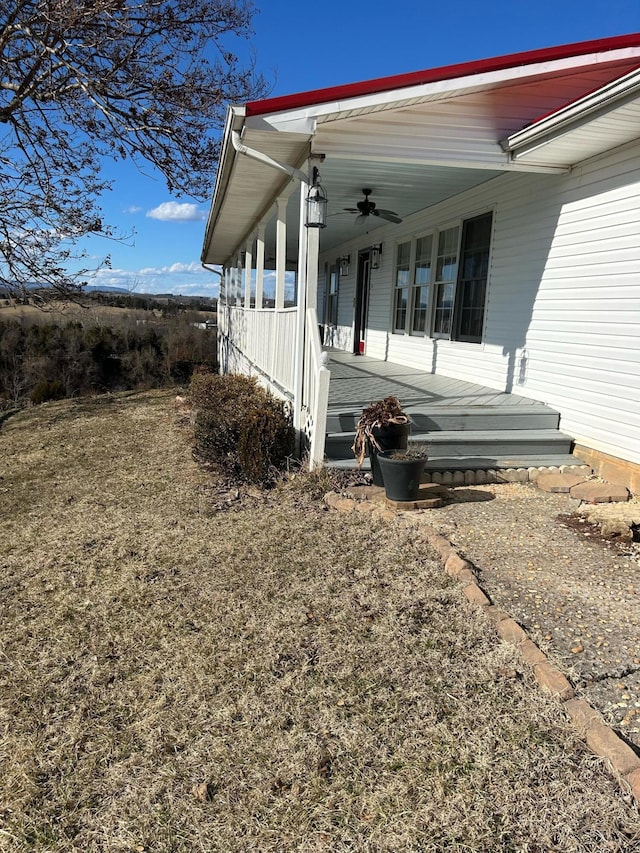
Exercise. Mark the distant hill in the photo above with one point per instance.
(105, 288)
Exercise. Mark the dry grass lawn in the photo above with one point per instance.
(182, 672)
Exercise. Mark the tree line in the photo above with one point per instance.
(53, 360)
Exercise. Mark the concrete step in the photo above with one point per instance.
(470, 443)
(452, 418)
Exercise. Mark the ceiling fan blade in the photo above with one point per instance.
(351, 210)
(389, 215)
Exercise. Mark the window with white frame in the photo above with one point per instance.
(421, 283)
(332, 296)
(401, 286)
(445, 281)
(472, 278)
(440, 281)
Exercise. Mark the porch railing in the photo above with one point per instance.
(265, 338)
(315, 392)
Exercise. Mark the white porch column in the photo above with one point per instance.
(237, 280)
(313, 251)
(248, 271)
(281, 250)
(301, 290)
(260, 265)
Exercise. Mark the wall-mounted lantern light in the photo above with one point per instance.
(376, 252)
(316, 203)
(344, 263)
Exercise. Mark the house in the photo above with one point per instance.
(483, 226)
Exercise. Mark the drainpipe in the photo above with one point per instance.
(217, 272)
(241, 148)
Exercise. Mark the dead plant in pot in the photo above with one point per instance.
(383, 425)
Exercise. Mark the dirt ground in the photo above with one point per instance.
(186, 666)
(575, 592)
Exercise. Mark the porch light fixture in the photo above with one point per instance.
(316, 203)
(376, 251)
(344, 263)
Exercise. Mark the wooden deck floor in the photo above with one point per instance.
(357, 381)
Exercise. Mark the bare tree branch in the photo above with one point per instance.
(84, 80)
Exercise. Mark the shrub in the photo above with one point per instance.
(240, 426)
(45, 391)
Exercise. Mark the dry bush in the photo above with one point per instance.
(240, 426)
(268, 679)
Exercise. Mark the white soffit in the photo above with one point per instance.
(602, 120)
(251, 189)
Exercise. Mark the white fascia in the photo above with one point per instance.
(233, 123)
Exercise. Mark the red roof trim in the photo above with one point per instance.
(433, 75)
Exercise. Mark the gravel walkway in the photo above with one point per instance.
(574, 592)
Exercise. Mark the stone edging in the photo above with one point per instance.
(589, 723)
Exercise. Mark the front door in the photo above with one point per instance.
(361, 302)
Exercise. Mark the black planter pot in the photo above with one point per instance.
(389, 437)
(402, 477)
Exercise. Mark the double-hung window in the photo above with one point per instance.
(332, 300)
(401, 286)
(445, 282)
(440, 281)
(472, 278)
(421, 282)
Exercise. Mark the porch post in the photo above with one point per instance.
(260, 265)
(301, 290)
(237, 281)
(313, 250)
(281, 250)
(248, 270)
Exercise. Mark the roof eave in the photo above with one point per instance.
(574, 115)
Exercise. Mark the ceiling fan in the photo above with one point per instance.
(368, 208)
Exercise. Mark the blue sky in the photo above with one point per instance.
(309, 46)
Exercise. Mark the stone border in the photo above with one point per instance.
(589, 723)
(486, 476)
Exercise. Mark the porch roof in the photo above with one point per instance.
(417, 139)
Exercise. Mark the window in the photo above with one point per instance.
(421, 282)
(440, 282)
(472, 278)
(445, 283)
(332, 297)
(401, 289)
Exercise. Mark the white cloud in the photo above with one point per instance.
(134, 208)
(192, 267)
(172, 211)
(189, 279)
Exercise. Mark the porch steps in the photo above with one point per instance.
(454, 418)
(468, 438)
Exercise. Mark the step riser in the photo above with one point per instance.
(459, 422)
(339, 448)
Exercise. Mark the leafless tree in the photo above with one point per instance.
(83, 80)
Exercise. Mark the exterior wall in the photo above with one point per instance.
(562, 323)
